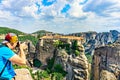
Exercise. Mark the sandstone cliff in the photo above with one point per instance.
(106, 63)
(75, 66)
(106, 59)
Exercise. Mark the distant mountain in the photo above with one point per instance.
(42, 32)
(5, 30)
(94, 39)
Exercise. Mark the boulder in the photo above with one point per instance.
(23, 74)
(106, 75)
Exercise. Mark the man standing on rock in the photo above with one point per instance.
(7, 56)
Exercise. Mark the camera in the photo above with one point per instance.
(18, 44)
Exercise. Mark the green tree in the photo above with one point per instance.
(28, 37)
(77, 52)
(89, 57)
(74, 45)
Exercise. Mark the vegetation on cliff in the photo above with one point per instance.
(28, 37)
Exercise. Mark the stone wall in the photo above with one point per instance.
(106, 60)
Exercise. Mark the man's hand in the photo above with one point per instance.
(23, 46)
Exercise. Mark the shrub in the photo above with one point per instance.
(77, 52)
(57, 76)
(19, 67)
(40, 75)
(89, 57)
(50, 64)
(74, 45)
(1, 40)
(58, 68)
(37, 63)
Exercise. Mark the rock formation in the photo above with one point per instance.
(44, 50)
(105, 58)
(94, 39)
(23, 74)
(75, 66)
(106, 63)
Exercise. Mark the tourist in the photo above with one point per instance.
(7, 56)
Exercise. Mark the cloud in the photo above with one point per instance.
(60, 15)
(76, 9)
(8, 16)
(30, 8)
(101, 7)
(30, 11)
(54, 9)
(114, 10)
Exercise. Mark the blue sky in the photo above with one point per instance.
(61, 16)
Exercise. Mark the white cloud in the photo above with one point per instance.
(113, 1)
(8, 16)
(115, 15)
(6, 3)
(30, 11)
(6, 13)
(76, 9)
(13, 12)
(113, 10)
(54, 9)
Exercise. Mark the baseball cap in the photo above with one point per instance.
(11, 37)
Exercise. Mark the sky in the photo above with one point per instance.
(61, 16)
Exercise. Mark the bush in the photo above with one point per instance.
(89, 57)
(74, 45)
(40, 75)
(77, 52)
(15, 66)
(37, 63)
(57, 76)
(50, 63)
(59, 69)
(1, 40)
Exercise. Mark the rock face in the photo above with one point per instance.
(44, 50)
(106, 75)
(106, 63)
(31, 50)
(23, 74)
(30, 53)
(76, 67)
(105, 58)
